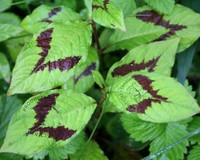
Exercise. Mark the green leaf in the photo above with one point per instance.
(5, 4)
(82, 79)
(98, 79)
(193, 125)
(92, 152)
(88, 4)
(45, 15)
(165, 6)
(107, 14)
(153, 97)
(4, 67)
(9, 18)
(154, 57)
(126, 6)
(8, 156)
(50, 58)
(183, 23)
(189, 88)
(184, 62)
(69, 3)
(8, 106)
(70, 148)
(8, 30)
(141, 130)
(47, 121)
(194, 153)
(173, 131)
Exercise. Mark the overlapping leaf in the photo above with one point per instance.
(107, 14)
(194, 153)
(165, 6)
(155, 57)
(45, 15)
(152, 26)
(49, 59)
(82, 79)
(4, 67)
(46, 121)
(5, 4)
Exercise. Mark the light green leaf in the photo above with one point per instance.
(45, 15)
(5, 4)
(153, 97)
(8, 106)
(50, 58)
(194, 153)
(126, 6)
(9, 18)
(8, 30)
(4, 67)
(70, 148)
(98, 79)
(47, 121)
(189, 88)
(88, 4)
(92, 152)
(154, 57)
(107, 14)
(141, 130)
(183, 23)
(163, 6)
(82, 79)
(193, 125)
(173, 132)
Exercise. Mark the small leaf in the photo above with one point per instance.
(49, 120)
(5, 4)
(126, 6)
(173, 132)
(153, 97)
(98, 79)
(154, 57)
(92, 152)
(107, 14)
(9, 18)
(45, 15)
(194, 153)
(70, 148)
(193, 125)
(8, 106)
(82, 79)
(165, 6)
(50, 58)
(8, 30)
(141, 130)
(4, 67)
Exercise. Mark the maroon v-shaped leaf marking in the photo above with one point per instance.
(145, 82)
(157, 19)
(86, 72)
(53, 12)
(42, 109)
(43, 41)
(132, 66)
(105, 2)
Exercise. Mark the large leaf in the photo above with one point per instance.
(107, 14)
(5, 4)
(9, 18)
(154, 97)
(165, 6)
(155, 57)
(92, 152)
(45, 15)
(4, 67)
(82, 79)
(183, 23)
(46, 121)
(49, 59)
(8, 30)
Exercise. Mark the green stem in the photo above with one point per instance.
(91, 135)
(25, 35)
(191, 134)
(16, 3)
